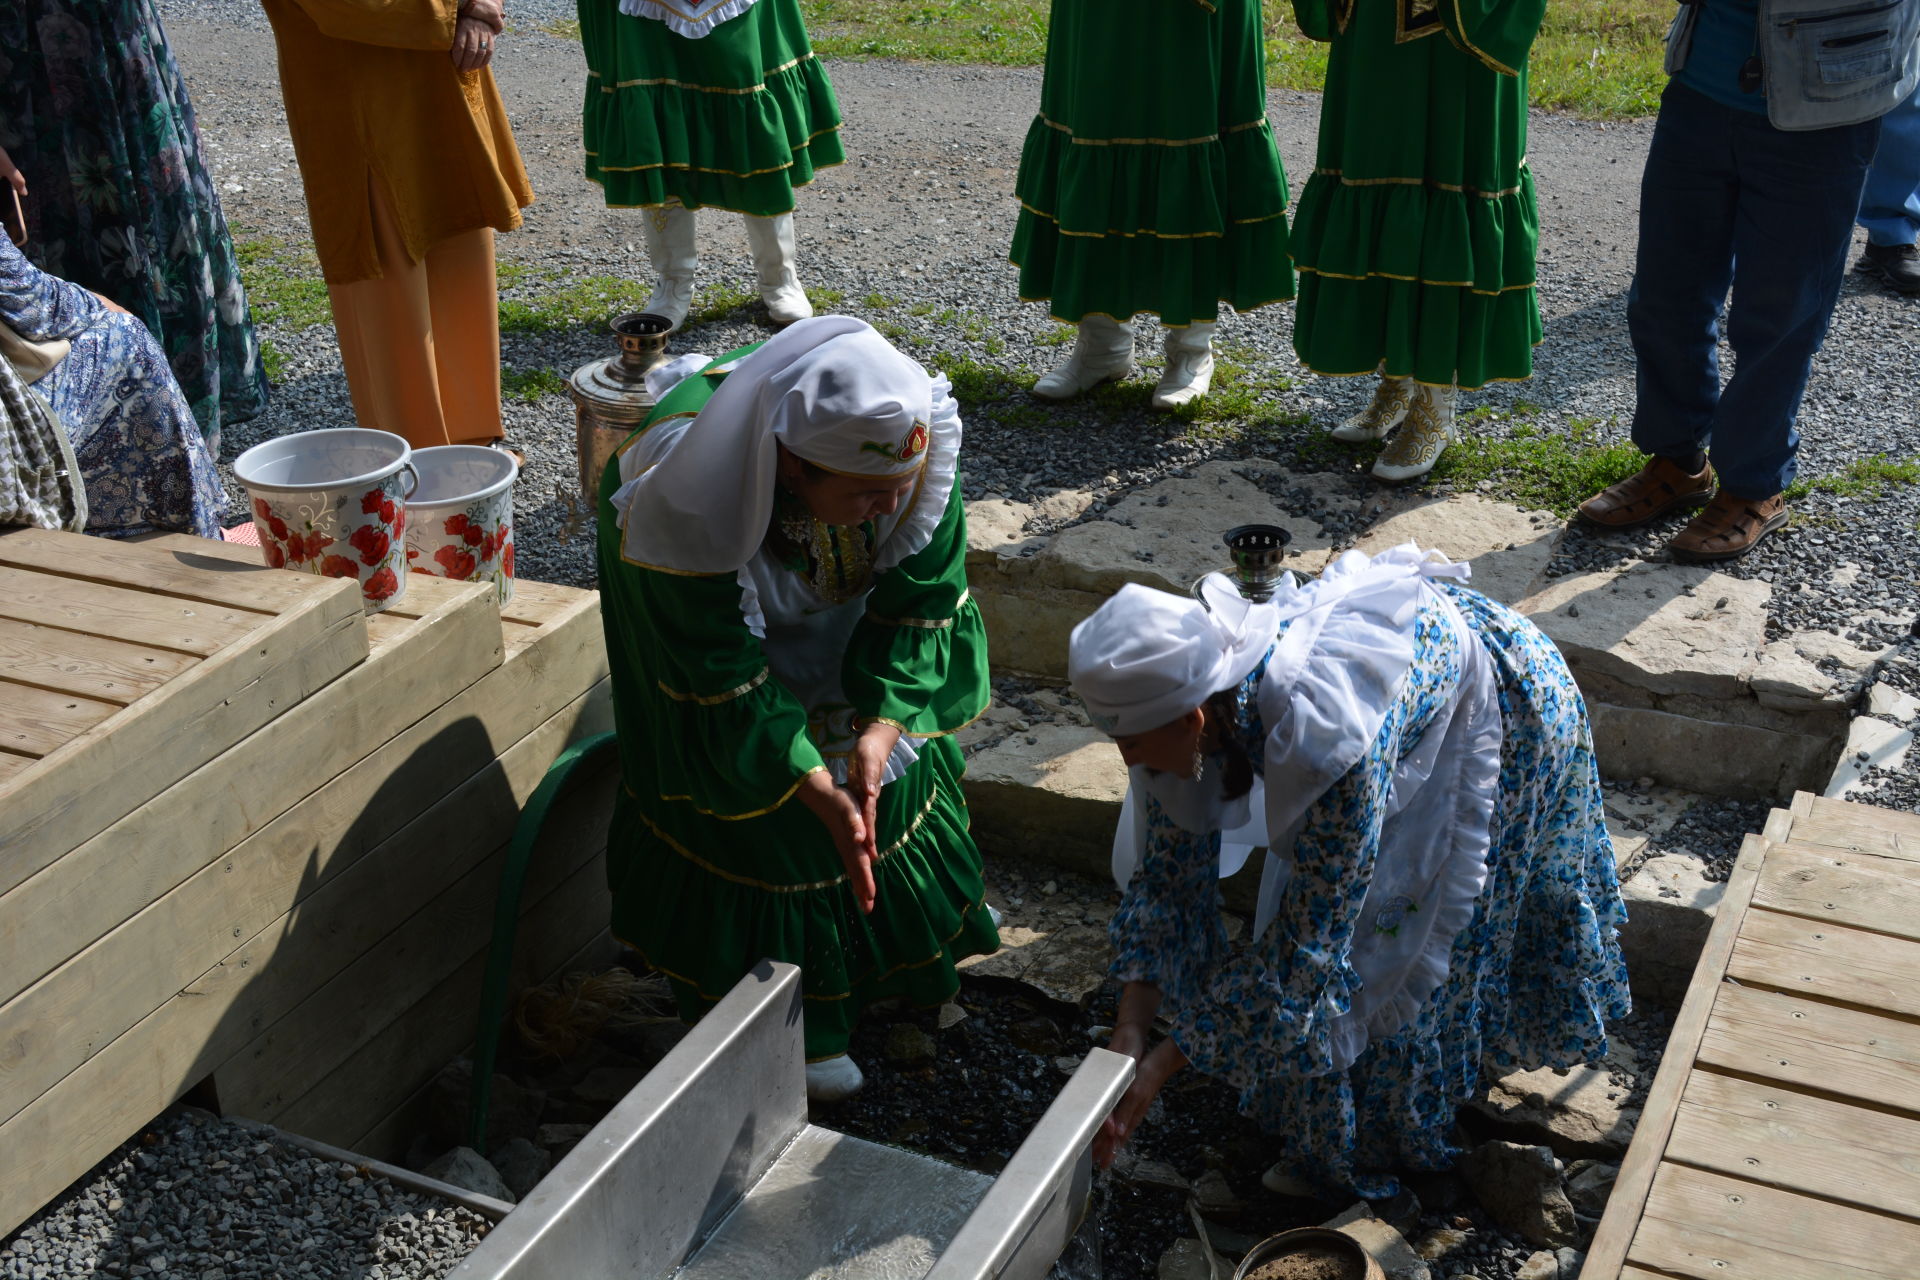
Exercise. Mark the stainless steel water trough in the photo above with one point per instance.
(708, 1170)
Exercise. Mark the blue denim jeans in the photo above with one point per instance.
(1724, 187)
(1890, 205)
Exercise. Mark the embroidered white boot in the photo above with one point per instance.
(1189, 369)
(668, 231)
(833, 1079)
(771, 242)
(1422, 437)
(1391, 400)
(1103, 352)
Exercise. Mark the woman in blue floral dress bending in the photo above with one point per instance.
(1415, 764)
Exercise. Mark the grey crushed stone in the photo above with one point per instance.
(200, 1197)
(918, 221)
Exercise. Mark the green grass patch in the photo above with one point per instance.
(878, 302)
(1539, 470)
(1597, 58)
(584, 300)
(283, 281)
(975, 382)
(1532, 468)
(1008, 33)
(528, 385)
(561, 28)
(591, 301)
(1058, 336)
(273, 360)
(1861, 478)
(717, 302)
(826, 299)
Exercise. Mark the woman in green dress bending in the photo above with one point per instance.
(695, 104)
(1415, 236)
(783, 578)
(1150, 183)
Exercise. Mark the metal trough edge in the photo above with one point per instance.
(1033, 1208)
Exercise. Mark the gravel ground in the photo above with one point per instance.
(195, 1198)
(919, 219)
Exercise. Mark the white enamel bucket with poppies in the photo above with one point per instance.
(460, 519)
(334, 502)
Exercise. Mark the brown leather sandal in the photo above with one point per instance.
(1657, 488)
(1729, 527)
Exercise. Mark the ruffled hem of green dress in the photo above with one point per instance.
(704, 927)
(745, 152)
(1437, 283)
(1119, 229)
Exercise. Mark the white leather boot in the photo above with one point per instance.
(1391, 400)
(1422, 438)
(771, 241)
(1189, 366)
(1103, 352)
(668, 231)
(833, 1079)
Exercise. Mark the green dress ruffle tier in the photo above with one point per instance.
(712, 863)
(735, 120)
(1150, 181)
(1416, 234)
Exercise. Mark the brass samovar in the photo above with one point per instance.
(610, 396)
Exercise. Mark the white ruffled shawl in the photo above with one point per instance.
(1329, 684)
(690, 18)
(810, 639)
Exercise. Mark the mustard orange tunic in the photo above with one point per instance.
(372, 95)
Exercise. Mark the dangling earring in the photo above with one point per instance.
(1199, 763)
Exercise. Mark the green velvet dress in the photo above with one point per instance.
(1150, 181)
(734, 120)
(713, 863)
(1415, 235)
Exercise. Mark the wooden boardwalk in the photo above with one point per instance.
(1781, 1140)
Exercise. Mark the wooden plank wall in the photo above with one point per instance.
(303, 916)
(261, 641)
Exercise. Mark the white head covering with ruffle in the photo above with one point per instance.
(1146, 657)
(835, 393)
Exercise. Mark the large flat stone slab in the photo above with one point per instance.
(1709, 756)
(1660, 629)
(1670, 905)
(1684, 686)
(1033, 586)
(1066, 964)
(1508, 549)
(1578, 1111)
(1051, 794)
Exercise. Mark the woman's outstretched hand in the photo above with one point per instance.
(840, 813)
(870, 752)
(1152, 1073)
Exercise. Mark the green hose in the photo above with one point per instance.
(506, 920)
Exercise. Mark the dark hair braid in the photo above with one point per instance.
(1237, 779)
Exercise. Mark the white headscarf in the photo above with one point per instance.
(834, 392)
(1146, 657)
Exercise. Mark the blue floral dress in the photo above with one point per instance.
(1532, 979)
(95, 113)
(142, 458)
